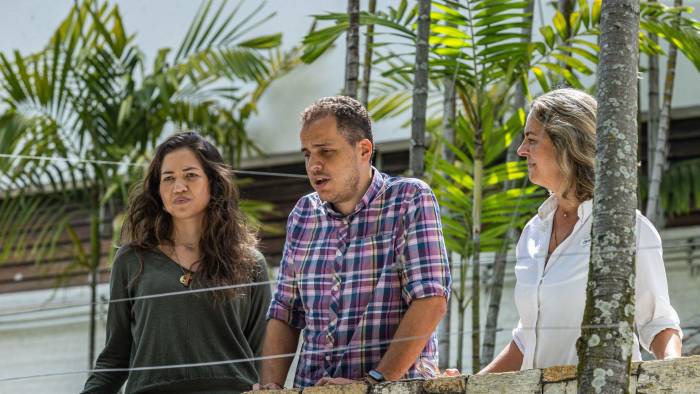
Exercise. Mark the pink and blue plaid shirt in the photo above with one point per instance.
(342, 279)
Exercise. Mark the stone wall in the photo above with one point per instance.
(674, 376)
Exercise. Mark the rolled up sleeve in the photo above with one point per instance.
(518, 337)
(426, 266)
(653, 312)
(286, 304)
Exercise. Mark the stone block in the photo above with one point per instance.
(559, 373)
(570, 386)
(359, 388)
(400, 387)
(283, 391)
(510, 382)
(681, 375)
(560, 387)
(451, 385)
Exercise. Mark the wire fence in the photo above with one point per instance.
(300, 279)
(316, 278)
(339, 349)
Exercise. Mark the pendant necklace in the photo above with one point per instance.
(186, 277)
(566, 234)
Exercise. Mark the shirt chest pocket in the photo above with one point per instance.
(370, 252)
(368, 271)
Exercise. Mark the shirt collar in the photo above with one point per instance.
(374, 189)
(550, 205)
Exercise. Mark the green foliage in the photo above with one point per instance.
(680, 187)
(90, 96)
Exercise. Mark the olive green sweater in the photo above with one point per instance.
(178, 329)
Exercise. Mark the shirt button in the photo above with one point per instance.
(338, 253)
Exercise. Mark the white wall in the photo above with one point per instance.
(50, 341)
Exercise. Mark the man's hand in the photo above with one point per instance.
(450, 372)
(336, 381)
(267, 386)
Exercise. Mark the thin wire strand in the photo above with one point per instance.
(121, 163)
(301, 279)
(369, 345)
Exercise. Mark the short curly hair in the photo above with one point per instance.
(352, 119)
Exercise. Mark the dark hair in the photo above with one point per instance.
(352, 119)
(227, 245)
(569, 119)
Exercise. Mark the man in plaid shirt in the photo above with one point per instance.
(364, 275)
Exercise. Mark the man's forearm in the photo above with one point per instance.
(414, 331)
(280, 338)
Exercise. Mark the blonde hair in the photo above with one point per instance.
(568, 116)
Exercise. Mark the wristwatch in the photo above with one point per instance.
(374, 377)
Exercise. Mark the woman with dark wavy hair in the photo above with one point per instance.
(184, 231)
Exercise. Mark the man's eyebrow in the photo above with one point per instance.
(317, 145)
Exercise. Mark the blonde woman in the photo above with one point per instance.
(554, 249)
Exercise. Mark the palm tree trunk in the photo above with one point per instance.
(420, 91)
(95, 246)
(607, 332)
(367, 68)
(448, 120)
(462, 306)
(476, 244)
(500, 260)
(566, 7)
(661, 146)
(653, 110)
(352, 56)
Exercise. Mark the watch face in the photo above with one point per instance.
(376, 375)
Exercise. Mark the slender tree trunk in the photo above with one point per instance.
(94, 263)
(500, 260)
(462, 307)
(605, 345)
(352, 57)
(367, 69)
(566, 7)
(661, 146)
(448, 121)
(449, 108)
(476, 244)
(420, 91)
(653, 110)
(639, 135)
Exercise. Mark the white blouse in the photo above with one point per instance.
(551, 299)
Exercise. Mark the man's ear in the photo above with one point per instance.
(366, 148)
